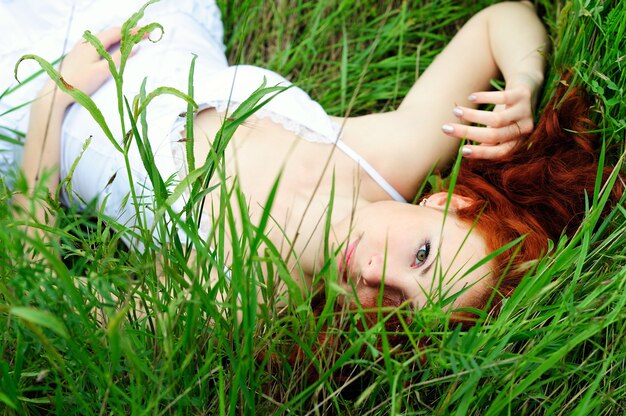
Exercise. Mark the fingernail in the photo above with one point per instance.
(447, 128)
(457, 112)
(472, 98)
(466, 151)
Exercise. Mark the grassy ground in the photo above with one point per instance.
(558, 346)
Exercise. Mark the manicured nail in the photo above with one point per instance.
(472, 98)
(447, 128)
(457, 112)
(466, 151)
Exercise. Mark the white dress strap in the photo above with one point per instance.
(369, 169)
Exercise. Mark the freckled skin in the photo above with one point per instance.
(389, 235)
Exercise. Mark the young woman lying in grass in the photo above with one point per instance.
(333, 191)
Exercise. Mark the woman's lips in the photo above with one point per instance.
(346, 260)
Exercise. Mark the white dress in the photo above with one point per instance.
(190, 27)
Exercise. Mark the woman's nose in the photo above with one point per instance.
(377, 270)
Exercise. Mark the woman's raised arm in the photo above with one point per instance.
(508, 39)
(518, 43)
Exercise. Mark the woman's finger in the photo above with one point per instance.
(488, 135)
(110, 36)
(117, 55)
(488, 118)
(489, 97)
(486, 151)
(499, 107)
(508, 96)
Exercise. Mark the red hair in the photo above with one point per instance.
(537, 191)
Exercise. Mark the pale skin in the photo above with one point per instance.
(87, 72)
(377, 241)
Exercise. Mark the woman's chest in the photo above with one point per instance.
(263, 159)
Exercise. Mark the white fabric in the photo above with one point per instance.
(370, 170)
(293, 109)
(190, 27)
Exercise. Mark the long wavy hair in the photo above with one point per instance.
(537, 192)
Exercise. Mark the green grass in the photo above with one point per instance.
(72, 345)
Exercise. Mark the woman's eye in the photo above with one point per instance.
(422, 254)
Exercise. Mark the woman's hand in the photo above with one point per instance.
(505, 125)
(517, 42)
(84, 69)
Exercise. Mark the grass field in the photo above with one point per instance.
(73, 339)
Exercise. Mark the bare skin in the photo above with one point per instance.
(412, 137)
(402, 145)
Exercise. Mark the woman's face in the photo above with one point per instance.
(413, 250)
